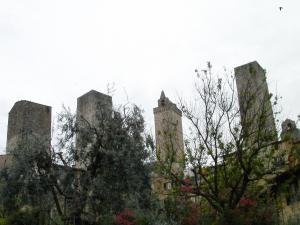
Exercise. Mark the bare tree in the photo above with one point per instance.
(228, 147)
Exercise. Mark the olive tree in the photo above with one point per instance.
(112, 173)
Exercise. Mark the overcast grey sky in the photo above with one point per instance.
(51, 52)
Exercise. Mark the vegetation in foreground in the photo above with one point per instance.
(115, 156)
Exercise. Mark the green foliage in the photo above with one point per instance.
(24, 216)
(3, 221)
(248, 212)
(262, 215)
(115, 161)
(113, 153)
(293, 221)
(27, 181)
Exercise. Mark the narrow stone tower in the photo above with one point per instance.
(28, 123)
(92, 108)
(169, 145)
(168, 132)
(254, 100)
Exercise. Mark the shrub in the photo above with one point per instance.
(251, 212)
(3, 221)
(126, 217)
(192, 216)
(24, 217)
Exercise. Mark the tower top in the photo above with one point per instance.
(164, 104)
(95, 94)
(162, 94)
(253, 64)
(28, 105)
(28, 123)
(251, 71)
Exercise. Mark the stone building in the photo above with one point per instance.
(28, 122)
(29, 126)
(168, 131)
(282, 185)
(254, 100)
(92, 106)
(169, 144)
(92, 109)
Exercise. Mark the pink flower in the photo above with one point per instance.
(186, 188)
(126, 217)
(186, 180)
(246, 202)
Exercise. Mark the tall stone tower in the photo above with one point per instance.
(168, 131)
(254, 100)
(92, 107)
(28, 123)
(169, 144)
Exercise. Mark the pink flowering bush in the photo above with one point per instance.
(126, 217)
(193, 215)
(186, 187)
(247, 202)
(187, 180)
(252, 212)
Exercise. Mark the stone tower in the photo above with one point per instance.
(168, 133)
(169, 144)
(28, 122)
(254, 100)
(92, 107)
(289, 131)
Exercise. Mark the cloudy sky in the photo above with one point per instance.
(51, 52)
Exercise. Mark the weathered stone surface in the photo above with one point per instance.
(290, 132)
(93, 105)
(5, 161)
(28, 119)
(92, 109)
(169, 144)
(168, 130)
(254, 97)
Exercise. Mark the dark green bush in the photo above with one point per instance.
(24, 217)
(3, 221)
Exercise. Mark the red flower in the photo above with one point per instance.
(186, 180)
(246, 202)
(126, 217)
(186, 188)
